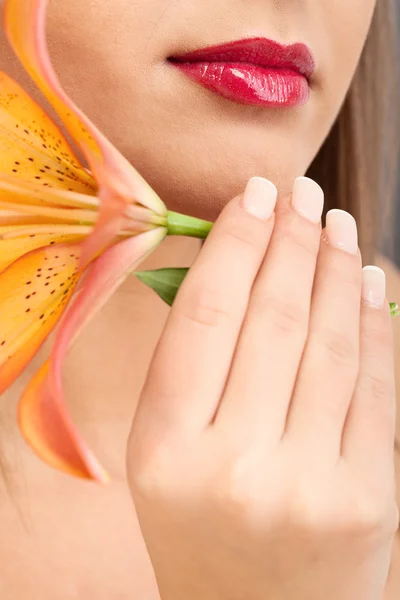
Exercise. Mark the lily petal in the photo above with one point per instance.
(119, 183)
(49, 430)
(32, 147)
(11, 249)
(43, 419)
(34, 291)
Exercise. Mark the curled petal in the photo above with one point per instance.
(32, 147)
(34, 291)
(43, 418)
(119, 183)
(48, 428)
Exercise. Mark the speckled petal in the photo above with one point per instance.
(119, 183)
(33, 293)
(12, 249)
(32, 146)
(43, 419)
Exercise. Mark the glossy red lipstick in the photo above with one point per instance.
(254, 71)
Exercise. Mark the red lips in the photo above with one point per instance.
(254, 71)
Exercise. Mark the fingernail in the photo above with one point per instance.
(373, 286)
(308, 199)
(341, 230)
(259, 198)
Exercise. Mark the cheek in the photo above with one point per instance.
(342, 36)
(195, 149)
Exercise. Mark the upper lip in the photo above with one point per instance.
(257, 51)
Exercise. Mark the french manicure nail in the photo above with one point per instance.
(341, 230)
(373, 286)
(259, 198)
(308, 199)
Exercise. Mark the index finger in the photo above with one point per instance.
(193, 357)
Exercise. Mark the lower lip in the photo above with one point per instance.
(249, 84)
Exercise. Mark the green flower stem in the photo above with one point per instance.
(178, 224)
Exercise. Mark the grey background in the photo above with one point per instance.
(395, 255)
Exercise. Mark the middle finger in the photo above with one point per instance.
(274, 332)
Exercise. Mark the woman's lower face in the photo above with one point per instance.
(196, 147)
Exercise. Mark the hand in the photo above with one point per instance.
(261, 456)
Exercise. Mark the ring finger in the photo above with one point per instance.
(330, 363)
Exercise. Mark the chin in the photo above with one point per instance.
(203, 190)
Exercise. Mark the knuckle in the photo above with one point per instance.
(286, 315)
(342, 350)
(207, 307)
(245, 234)
(377, 336)
(296, 232)
(372, 516)
(376, 386)
(236, 490)
(307, 510)
(344, 270)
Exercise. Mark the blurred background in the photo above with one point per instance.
(394, 254)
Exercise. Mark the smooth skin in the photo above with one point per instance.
(261, 456)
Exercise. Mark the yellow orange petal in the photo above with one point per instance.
(43, 419)
(33, 293)
(12, 249)
(32, 147)
(48, 428)
(119, 183)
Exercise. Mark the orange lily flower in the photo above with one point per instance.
(59, 220)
